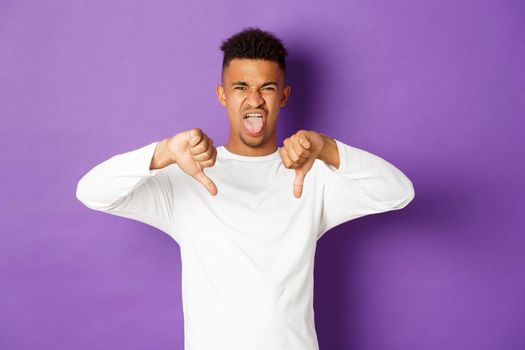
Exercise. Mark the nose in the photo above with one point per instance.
(254, 98)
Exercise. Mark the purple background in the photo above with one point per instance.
(435, 87)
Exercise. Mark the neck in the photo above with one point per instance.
(238, 146)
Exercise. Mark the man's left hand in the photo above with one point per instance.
(299, 152)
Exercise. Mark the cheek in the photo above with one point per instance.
(273, 105)
(234, 103)
(273, 100)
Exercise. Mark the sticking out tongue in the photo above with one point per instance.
(253, 124)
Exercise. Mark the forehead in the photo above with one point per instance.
(252, 71)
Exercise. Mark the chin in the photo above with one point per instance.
(254, 142)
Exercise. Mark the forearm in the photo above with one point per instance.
(116, 177)
(363, 184)
(382, 182)
(162, 157)
(329, 154)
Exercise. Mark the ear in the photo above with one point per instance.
(286, 93)
(219, 90)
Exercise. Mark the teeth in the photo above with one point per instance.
(254, 115)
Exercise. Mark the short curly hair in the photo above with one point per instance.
(254, 43)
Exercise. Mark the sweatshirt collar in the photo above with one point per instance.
(227, 154)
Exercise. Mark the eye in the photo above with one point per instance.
(269, 88)
(239, 87)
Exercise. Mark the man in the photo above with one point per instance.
(248, 226)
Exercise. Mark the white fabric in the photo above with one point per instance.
(247, 253)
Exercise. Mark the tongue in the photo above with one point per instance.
(253, 124)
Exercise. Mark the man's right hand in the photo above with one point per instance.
(193, 150)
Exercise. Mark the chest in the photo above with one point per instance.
(254, 201)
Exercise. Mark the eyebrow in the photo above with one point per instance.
(243, 83)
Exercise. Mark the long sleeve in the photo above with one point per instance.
(124, 185)
(363, 184)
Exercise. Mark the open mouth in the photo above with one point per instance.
(253, 122)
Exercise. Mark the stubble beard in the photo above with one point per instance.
(253, 142)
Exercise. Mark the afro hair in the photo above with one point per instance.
(254, 43)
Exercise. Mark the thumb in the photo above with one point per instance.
(298, 183)
(206, 181)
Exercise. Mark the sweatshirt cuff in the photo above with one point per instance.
(149, 151)
(352, 159)
(342, 158)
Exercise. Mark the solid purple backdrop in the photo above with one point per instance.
(435, 87)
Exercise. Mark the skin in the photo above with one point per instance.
(244, 88)
(239, 99)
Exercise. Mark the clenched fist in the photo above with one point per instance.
(299, 152)
(193, 150)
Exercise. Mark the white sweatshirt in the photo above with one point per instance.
(247, 253)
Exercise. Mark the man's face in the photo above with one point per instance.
(253, 86)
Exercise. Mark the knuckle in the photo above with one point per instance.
(198, 149)
(196, 131)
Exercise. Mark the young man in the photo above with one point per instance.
(248, 226)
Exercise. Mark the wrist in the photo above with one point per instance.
(161, 157)
(329, 153)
